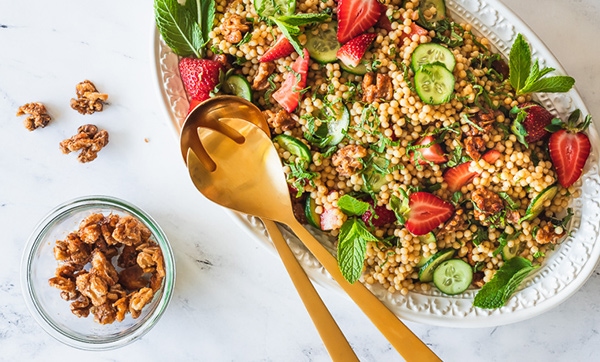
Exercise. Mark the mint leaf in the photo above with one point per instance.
(399, 206)
(291, 33)
(303, 19)
(519, 63)
(178, 28)
(555, 84)
(351, 206)
(497, 291)
(352, 247)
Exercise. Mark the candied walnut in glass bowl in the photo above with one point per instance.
(97, 273)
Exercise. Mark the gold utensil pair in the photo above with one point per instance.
(233, 162)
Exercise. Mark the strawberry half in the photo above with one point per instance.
(199, 76)
(569, 149)
(458, 176)
(414, 29)
(352, 52)
(355, 17)
(530, 122)
(289, 93)
(491, 156)
(281, 48)
(427, 212)
(378, 216)
(425, 155)
(384, 22)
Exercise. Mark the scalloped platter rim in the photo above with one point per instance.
(564, 271)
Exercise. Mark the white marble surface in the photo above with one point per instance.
(233, 300)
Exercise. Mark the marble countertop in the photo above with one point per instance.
(233, 299)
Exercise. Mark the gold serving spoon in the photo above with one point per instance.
(210, 114)
(253, 182)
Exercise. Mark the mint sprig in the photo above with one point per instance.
(497, 291)
(352, 206)
(352, 248)
(185, 28)
(527, 77)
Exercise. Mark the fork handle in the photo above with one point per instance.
(337, 345)
(396, 332)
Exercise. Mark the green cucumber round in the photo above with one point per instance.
(425, 239)
(323, 45)
(360, 69)
(295, 147)
(338, 121)
(453, 276)
(373, 178)
(311, 215)
(431, 22)
(238, 86)
(434, 83)
(537, 204)
(426, 271)
(429, 53)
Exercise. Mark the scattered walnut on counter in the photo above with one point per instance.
(37, 115)
(89, 100)
(94, 283)
(89, 140)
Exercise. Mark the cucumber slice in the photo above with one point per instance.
(238, 86)
(434, 83)
(338, 121)
(510, 252)
(309, 209)
(453, 276)
(373, 178)
(537, 204)
(426, 239)
(295, 147)
(360, 69)
(429, 53)
(266, 8)
(426, 271)
(431, 12)
(324, 45)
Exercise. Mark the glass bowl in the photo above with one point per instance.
(44, 301)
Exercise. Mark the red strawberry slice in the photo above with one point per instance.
(569, 152)
(288, 95)
(531, 122)
(352, 52)
(458, 176)
(384, 22)
(414, 29)
(355, 17)
(281, 48)
(491, 156)
(199, 76)
(432, 153)
(427, 212)
(380, 217)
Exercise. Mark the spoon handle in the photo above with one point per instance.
(337, 345)
(396, 332)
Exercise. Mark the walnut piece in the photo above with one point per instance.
(376, 87)
(487, 204)
(261, 80)
(100, 289)
(89, 140)
(347, 160)
(37, 115)
(89, 100)
(474, 145)
(281, 120)
(547, 234)
(234, 27)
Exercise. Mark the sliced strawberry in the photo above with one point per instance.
(491, 156)
(384, 22)
(378, 216)
(458, 176)
(355, 17)
(530, 122)
(281, 48)
(432, 153)
(329, 219)
(352, 52)
(414, 29)
(199, 76)
(288, 95)
(570, 148)
(427, 212)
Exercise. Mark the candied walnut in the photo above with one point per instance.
(109, 251)
(128, 257)
(89, 228)
(487, 203)
(37, 115)
(89, 100)
(547, 234)
(137, 301)
(482, 123)
(81, 306)
(89, 140)
(108, 227)
(67, 270)
(115, 292)
(103, 268)
(474, 145)
(65, 285)
(377, 87)
(233, 28)
(130, 231)
(104, 313)
(456, 222)
(72, 249)
(132, 278)
(478, 279)
(93, 287)
(261, 80)
(150, 259)
(513, 216)
(347, 160)
(122, 307)
(222, 58)
(282, 119)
